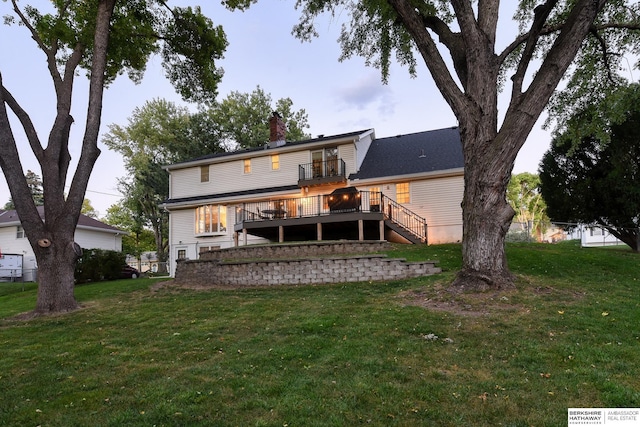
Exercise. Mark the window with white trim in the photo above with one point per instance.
(211, 219)
(20, 233)
(204, 173)
(402, 192)
(275, 162)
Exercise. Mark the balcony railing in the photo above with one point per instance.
(330, 171)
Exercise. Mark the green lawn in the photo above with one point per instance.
(395, 353)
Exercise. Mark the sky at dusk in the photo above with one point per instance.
(338, 97)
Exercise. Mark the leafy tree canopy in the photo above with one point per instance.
(88, 209)
(243, 119)
(35, 187)
(597, 180)
(139, 239)
(523, 193)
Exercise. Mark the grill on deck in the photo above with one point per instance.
(345, 199)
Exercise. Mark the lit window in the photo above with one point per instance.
(204, 173)
(247, 165)
(182, 254)
(211, 219)
(374, 199)
(402, 192)
(20, 233)
(275, 162)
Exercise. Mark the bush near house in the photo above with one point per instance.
(99, 264)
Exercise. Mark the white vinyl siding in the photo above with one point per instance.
(90, 239)
(348, 154)
(438, 200)
(182, 225)
(228, 177)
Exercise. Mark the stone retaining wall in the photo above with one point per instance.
(299, 270)
(296, 250)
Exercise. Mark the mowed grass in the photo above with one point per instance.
(402, 353)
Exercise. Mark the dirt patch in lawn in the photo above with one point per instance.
(439, 298)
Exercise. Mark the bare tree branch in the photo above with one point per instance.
(542, 13)
(25, 121)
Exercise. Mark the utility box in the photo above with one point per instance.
(10, 267)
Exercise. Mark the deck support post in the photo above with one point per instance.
(381, 229)
(280, 234)
(244, 236)
(360, 230)
(319, 231)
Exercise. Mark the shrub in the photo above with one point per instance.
(99, 264)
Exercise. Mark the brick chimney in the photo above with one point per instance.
(277, 128)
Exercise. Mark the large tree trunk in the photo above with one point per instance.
(486, 214)
(56, 267)
(486, 219)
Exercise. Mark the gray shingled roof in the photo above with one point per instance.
(10, 217)
(430, 151)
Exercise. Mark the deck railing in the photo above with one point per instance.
(306, 207)
(405, 218)
(302, 207)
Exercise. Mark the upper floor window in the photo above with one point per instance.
(204, 173)
(402, 192)
(275, 162)
(247, 165)
(20, 233)
(211, 219)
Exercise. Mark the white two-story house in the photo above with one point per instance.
(404, 188)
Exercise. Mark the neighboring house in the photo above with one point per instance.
(351, 186)
(594, 236)
(148, 261)
(90, 234)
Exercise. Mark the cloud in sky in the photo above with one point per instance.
(367, 91)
